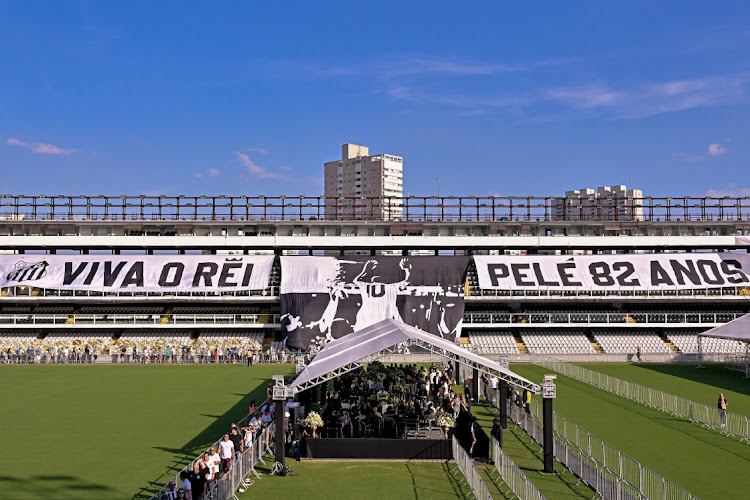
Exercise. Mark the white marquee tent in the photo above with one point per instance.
(738, 329)
(384, 338)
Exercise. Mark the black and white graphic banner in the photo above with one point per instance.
(137, 272)
(329, 297)
(613, 272)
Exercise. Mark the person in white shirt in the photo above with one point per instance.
(185, 485)
(226, 452)
(213, 462)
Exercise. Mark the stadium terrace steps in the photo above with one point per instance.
(594, 343)
(669, 343)
(267, 341)
(72, 319)
(166, 315)
(519, 342)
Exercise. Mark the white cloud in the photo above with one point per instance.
(256, 169)
(41, 147)
(261, 151)
(588, 97)
(213, 172)
(716, 149)
(730, 190)
(198, 175)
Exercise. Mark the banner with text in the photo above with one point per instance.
(325, 298)
(613, 272)
(137, 272)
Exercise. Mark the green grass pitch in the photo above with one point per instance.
(702, 461)
(118, 431)
(114, 431)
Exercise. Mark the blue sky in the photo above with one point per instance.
(492, 98)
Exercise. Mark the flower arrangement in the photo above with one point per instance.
(313, 421)
(446, 420)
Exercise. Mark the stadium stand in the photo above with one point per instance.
(688, 344)
(551, 342)
(494, 343)
(623, 342)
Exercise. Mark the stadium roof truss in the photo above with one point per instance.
(389, 337)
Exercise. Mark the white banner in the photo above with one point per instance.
(742, 240)
(137, 272)
(613, 272)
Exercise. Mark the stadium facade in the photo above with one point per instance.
(511, 321)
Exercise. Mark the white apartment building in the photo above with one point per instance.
(364, 186)
(604, 203)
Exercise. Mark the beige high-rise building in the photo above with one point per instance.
(360, 186)
(604, 203)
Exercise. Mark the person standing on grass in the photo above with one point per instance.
(638, 353)
(721, 404)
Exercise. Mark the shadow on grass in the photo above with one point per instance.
(47, 486)
(711, 437)
(182, 456)
(712, 374)
(451, 471)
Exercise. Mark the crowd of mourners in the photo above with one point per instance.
(77, 352)
(199, 481)
(393, 401)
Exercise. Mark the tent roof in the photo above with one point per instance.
(378, 338)
(738, 329)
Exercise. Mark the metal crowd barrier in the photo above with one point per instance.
(708, 416)
(242, 468)
(473, 478)
(513, 476)
(612, 474)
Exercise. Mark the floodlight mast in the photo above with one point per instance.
(279, 396)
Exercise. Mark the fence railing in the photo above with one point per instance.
(738, 363)
(513, 476)
(726, 291)
(21, 292)
(410, 208)
(711, 417)
(647, 318)
(612, 474)
(225, 487)
(473, 478)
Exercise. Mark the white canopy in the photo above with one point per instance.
(738, 329)
(344, 354)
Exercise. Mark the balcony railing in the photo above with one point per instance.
(623, 319)
(157, 320)
(406, 209)
(33, 292)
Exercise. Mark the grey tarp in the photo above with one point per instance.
(387, 334)
(738, 329)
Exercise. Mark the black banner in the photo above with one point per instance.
(325, 298)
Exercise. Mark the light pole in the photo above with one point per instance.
(549, 392)
(280, 395)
